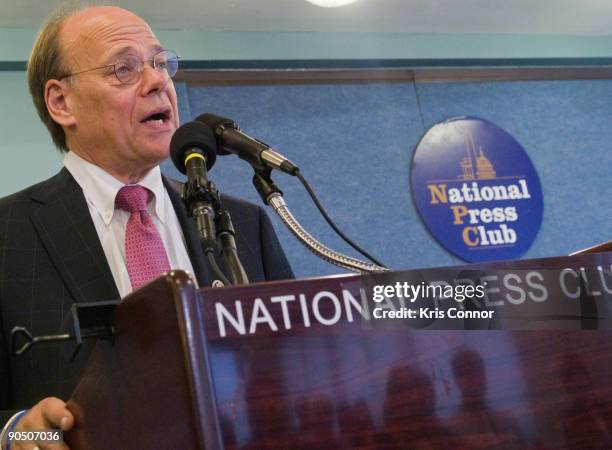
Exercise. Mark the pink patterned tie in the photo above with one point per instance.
(144, 250)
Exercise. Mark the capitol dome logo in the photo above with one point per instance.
(476, 190)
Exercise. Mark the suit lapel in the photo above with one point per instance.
(67, 232)
(190, 232)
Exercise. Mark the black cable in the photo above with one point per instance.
(216, 269)
(314, 198)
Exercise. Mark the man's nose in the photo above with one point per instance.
(153, 79)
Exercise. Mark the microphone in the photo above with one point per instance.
(191, 146)
(193, 152)
(230, 139)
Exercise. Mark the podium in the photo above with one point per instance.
(293, 365)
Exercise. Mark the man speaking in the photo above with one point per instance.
(108, 222)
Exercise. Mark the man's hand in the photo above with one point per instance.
(47, 414)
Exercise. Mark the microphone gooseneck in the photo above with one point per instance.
(230, 139)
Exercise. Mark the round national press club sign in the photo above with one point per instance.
(476, 190)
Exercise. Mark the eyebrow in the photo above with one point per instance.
(130, 50)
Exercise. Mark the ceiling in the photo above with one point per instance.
(565, 17)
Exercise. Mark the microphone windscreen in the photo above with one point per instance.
(193, 135)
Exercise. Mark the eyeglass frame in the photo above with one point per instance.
(140, 69)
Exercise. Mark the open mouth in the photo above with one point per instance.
(159, 117)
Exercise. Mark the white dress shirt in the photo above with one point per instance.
(100, 190)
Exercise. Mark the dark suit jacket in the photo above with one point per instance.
(51, 257)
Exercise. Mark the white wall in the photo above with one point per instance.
(28, 154)
(15, 45)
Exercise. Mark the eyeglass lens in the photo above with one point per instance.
(130, 69)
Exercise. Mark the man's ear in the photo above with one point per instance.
(56, 93)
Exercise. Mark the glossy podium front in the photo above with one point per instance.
(294, 365)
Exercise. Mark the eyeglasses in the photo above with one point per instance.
(128, 69)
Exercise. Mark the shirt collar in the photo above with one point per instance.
(100, 188)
